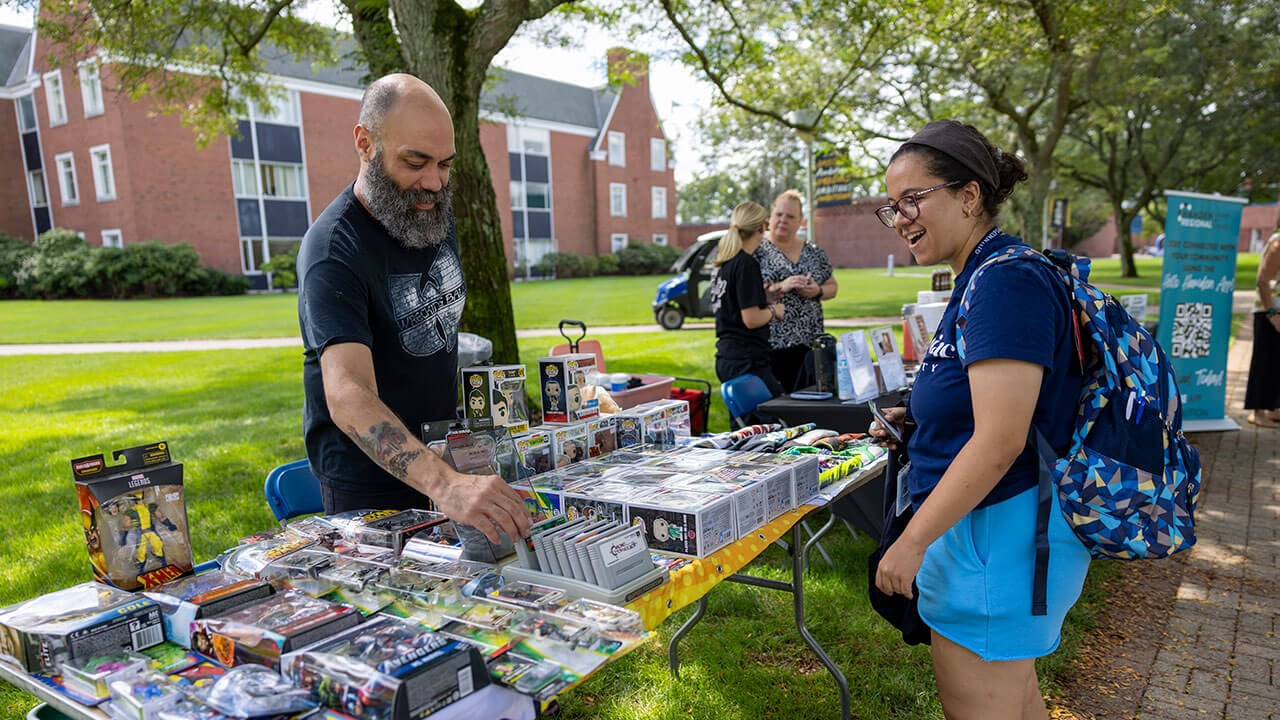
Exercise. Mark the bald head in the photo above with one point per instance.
(387, 93)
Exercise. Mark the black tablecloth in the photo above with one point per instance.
(843, 416)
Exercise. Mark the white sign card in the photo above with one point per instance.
(862, 370)
(1135, 305)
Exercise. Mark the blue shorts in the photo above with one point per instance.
(975, 581)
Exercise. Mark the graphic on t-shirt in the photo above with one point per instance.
(429, 308)
(716, 293)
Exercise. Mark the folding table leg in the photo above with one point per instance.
(673, 659)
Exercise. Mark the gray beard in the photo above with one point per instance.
(396, 208)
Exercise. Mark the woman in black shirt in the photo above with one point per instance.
(742, 307)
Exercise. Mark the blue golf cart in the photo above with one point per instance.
(685, 295)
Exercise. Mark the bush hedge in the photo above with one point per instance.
(61, 265)
(635, 259)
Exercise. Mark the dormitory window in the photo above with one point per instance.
(618, 199)
(91, 89)
(35, 182)
(104, 179)
(618, 241)
(26, 114)
(657, 154)
(282, 181)
(112, 238)
(66, 165)
(617, 149)
(243, 178)
(659, 197)
(54, 98)
(283, 111)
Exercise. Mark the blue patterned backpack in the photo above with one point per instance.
(1129, 483)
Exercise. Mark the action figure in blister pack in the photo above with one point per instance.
(255, 690)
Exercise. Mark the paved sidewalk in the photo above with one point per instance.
(1221, 656)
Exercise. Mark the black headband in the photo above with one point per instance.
(961, 143)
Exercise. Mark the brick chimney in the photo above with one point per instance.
(628, 67)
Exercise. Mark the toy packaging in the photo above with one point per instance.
(188, 599)
(676, 412)
(598, 501)
(134, 515)
(602, 438)
(388, 529)
(568, 443)
(642, 425)
(76, 624)
(563, 380)
(534, 451)
(143, 696)
(90, 679)
(250, 559)
(681, 522)
(493, 396)
(387, 669)
(267, 629)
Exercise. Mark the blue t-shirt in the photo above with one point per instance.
(1018, 311)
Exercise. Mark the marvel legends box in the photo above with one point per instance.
(185, 600)
(134, 515)
(265, 630)
(493, 396)
(387, 669)
(563, 380)
(602, 438)
(77, 623)
(682, 522)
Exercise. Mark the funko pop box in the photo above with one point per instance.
(135, 516)
(493, 396)
(681, 522)
(563, 381)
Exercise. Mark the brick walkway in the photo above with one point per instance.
(1222, 655)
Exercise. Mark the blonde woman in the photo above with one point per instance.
(1262, 391)
(742, 307)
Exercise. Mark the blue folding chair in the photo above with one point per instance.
(292, 490)
(742, 395)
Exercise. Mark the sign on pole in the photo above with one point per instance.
(832, 179)
(1196, 288)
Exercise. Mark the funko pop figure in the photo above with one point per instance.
(661, 529)
(500, 410)
(575, 398)
(475, 404)
(553, 391)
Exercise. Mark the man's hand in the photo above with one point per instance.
(484, 502)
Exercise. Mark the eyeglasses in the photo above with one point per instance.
(908, 205)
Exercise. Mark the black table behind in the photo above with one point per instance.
(843, 416)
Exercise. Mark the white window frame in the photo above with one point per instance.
(243, 171)
(617, 148)
(103, 173)
(113, 238)
(658, 198)
(660, 239)
(657, 154)
(618, 199)
(69, 191)
(26, 101)
(36, 189)
(285, 111)
(55, 96)
(618, 241)
(91, 88)
(290, 174)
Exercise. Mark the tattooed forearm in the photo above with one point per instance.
(385, 444)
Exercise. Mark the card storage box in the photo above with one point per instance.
(602, 438)
(682, 522)
(78, 623)
(134, 516)
(188, 599)
(534, 452)
(388, 669)
(563, 381)
(267, 629)
(568, 443)
(493, 396)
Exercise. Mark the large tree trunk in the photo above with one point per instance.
(1124, 241)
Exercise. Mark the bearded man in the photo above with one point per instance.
(380, 295)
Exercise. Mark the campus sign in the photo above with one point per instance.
(1196, 286)
(832, 181)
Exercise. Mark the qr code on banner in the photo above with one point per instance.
(1192, 330)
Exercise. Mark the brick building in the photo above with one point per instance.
(575, 169)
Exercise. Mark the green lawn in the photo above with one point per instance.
(230, 416)
(866, 292)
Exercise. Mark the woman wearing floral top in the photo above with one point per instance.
(799, 274)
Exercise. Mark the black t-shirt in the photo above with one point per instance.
(735, 285)
(358, 284)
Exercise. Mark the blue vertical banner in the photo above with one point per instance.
(1201, 239)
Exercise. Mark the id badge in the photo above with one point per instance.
(903, 502)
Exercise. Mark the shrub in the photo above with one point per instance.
(607, 265)
(590, 266)
(146, 269)
(645, 259)
(283, 266)
(208, 281)
(58, 267)
(13, 252)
